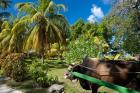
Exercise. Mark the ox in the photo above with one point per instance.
(112, 71)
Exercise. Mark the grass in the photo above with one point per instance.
(57, 68)
(70, 87)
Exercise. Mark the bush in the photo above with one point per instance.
(38, 72)
(80, 48)
(14, 66)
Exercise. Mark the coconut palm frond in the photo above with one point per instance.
(31, 39)
(38, 17)
(61, 7)
(42, 5)
(61, 23)
(58, 33)
(5, 30)
(59, 20)
(18, 31)
(50, 9)
(36, 39)
(12, 44)
(51, 37)
(21, 24)
(5, 25)
(4, 34)
(5, 40)
(36, 42)
(27, 8)
(4, 44)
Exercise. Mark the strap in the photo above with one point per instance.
(103, 83)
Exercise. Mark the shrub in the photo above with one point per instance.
(38, 72)
(82, 47)
(14, 66)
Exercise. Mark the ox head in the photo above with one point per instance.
(72, 67)
(78, 68)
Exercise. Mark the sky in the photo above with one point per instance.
(88, 10)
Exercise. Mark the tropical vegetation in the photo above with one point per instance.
(39, 39)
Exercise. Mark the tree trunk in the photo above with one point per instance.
(42, 56)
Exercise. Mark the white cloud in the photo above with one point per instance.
(97, 11)
(91, 19)
(96, 15)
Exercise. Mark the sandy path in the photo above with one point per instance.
(6, 89)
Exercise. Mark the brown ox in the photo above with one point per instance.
(112, 71)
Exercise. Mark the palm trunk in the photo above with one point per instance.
(42, 42)
(42, 56)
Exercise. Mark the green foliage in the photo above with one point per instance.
(80, 27)
(83, 47)
(104, 32)
(87, 39)
(14, 66)
(39, 73)
(132, 42)
(123, 20)
(76, 29)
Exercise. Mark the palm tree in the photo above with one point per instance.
(11, 40)
(44, 25)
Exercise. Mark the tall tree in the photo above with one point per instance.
(124, 20)
(44, 25)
